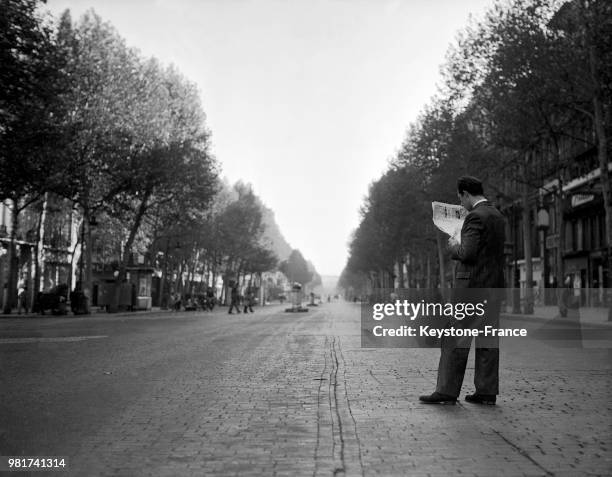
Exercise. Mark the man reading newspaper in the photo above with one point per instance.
(479, 272)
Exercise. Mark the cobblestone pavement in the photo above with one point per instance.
(274, 393)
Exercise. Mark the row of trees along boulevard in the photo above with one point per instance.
(88, 122)
(520, 87)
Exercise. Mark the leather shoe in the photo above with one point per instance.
(438, 398)
(476, 398)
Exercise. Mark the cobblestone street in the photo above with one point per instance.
(274, 393)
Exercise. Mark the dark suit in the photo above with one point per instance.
(479, 276)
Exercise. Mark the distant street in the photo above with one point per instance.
(274, 393)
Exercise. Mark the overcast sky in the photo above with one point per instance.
(307, 100)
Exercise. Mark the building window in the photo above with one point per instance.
(588, 226)
(569, 236)
(595, 222)
(579, 235)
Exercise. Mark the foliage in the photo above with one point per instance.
(296, 269)
(121, 139)
(520, 79)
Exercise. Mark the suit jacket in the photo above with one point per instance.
(481, 252)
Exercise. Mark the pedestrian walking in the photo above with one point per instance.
(479, 272)
(234, 298)
(210, 298)
(249, 301)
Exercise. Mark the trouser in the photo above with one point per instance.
(232, 305)
(451, 370)
(454, 356)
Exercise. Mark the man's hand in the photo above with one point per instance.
(452, 243)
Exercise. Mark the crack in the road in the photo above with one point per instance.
(350, 410)
(374, 377)
(318, 441)
(337, 417)
(333, 380)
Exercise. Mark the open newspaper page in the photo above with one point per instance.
(449, 218)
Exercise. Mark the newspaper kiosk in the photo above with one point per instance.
(296, 299)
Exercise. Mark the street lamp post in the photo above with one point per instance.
(516, 283)
(543, 224)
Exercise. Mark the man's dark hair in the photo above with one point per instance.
(469, 184)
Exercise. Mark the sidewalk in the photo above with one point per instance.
(588, 316)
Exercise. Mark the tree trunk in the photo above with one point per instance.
(75, 243)
(204, 275)
(127, 248)
(13, 262)
(528, 308)
(193, 268)
(214, 277)
(400, 272)
(179, 284)
(429, 273)
(87, 243)
(422, 270)
(39, 254)
(163, 293)
(225, 281)
(410, 271)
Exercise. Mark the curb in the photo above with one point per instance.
(103, 314)
(95, 314)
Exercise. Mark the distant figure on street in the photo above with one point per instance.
(210, 298)
(177, 302)
(234, 298)
(22, 299)
(479, 271)
(570, 302)
(249, 301)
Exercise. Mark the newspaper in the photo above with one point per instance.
(449, 218)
